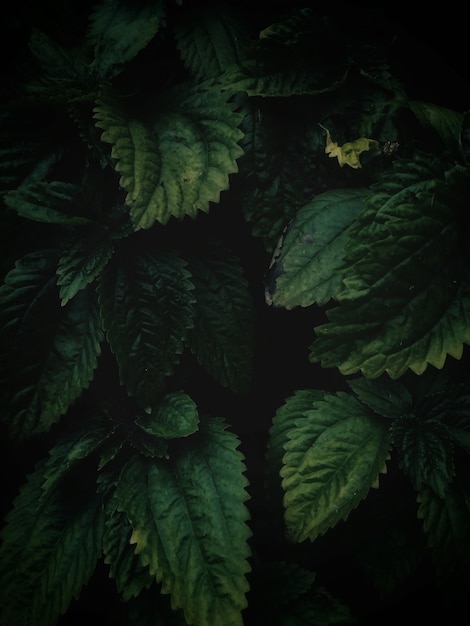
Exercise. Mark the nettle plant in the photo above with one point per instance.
(172, 176)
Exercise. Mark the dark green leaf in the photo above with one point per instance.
(50, 352)
(194, 540)
(147, 306)
(175, 416)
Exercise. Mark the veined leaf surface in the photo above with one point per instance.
(181, 163)
(223, 334)
(406, 302)
(308, 268)
(335, 454)
(147, 307)
(50, 353)
(189, 524)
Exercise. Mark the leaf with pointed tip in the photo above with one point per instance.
(194, 539)
(406, 301)
(175, 416)
(119, 30)
(182, 163)
(50, 202)
(49, 550)
(50, 352)
(334, 456)
(82, 260)
(223, 334)
(147, 309)
(308, 268)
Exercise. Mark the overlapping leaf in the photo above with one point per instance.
(182, 162)
(50, 352)
(147, 310)
(189, 524)
(406, 302)
(334, 456)
(223, 334)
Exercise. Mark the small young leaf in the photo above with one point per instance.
(175, 416)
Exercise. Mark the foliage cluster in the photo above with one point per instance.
(179, 180)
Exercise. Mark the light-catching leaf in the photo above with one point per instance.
(49, 550)
(223, 334)
(49, 352)
(175, 416)
(180, 164)
(147, 307)
(335, 454)
(190, 523)
(406, 302)
(309, 266)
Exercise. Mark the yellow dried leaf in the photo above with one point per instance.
(349, 152)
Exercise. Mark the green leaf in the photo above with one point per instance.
(223, 334)
(425, 451)
(175, 416)
(446, 523)
(335, 454)
(119, 30)
(49, 550)
(308, 268)
(287, 60)
(446, 123)
(194, 540)
(209, 40)
(82, 260)
(42, 377)
(147, 308)
(50, 202)
(182, 163)
(76, 445)
(385, 397)
(406, 301)
(129, 575)
(284, 420)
